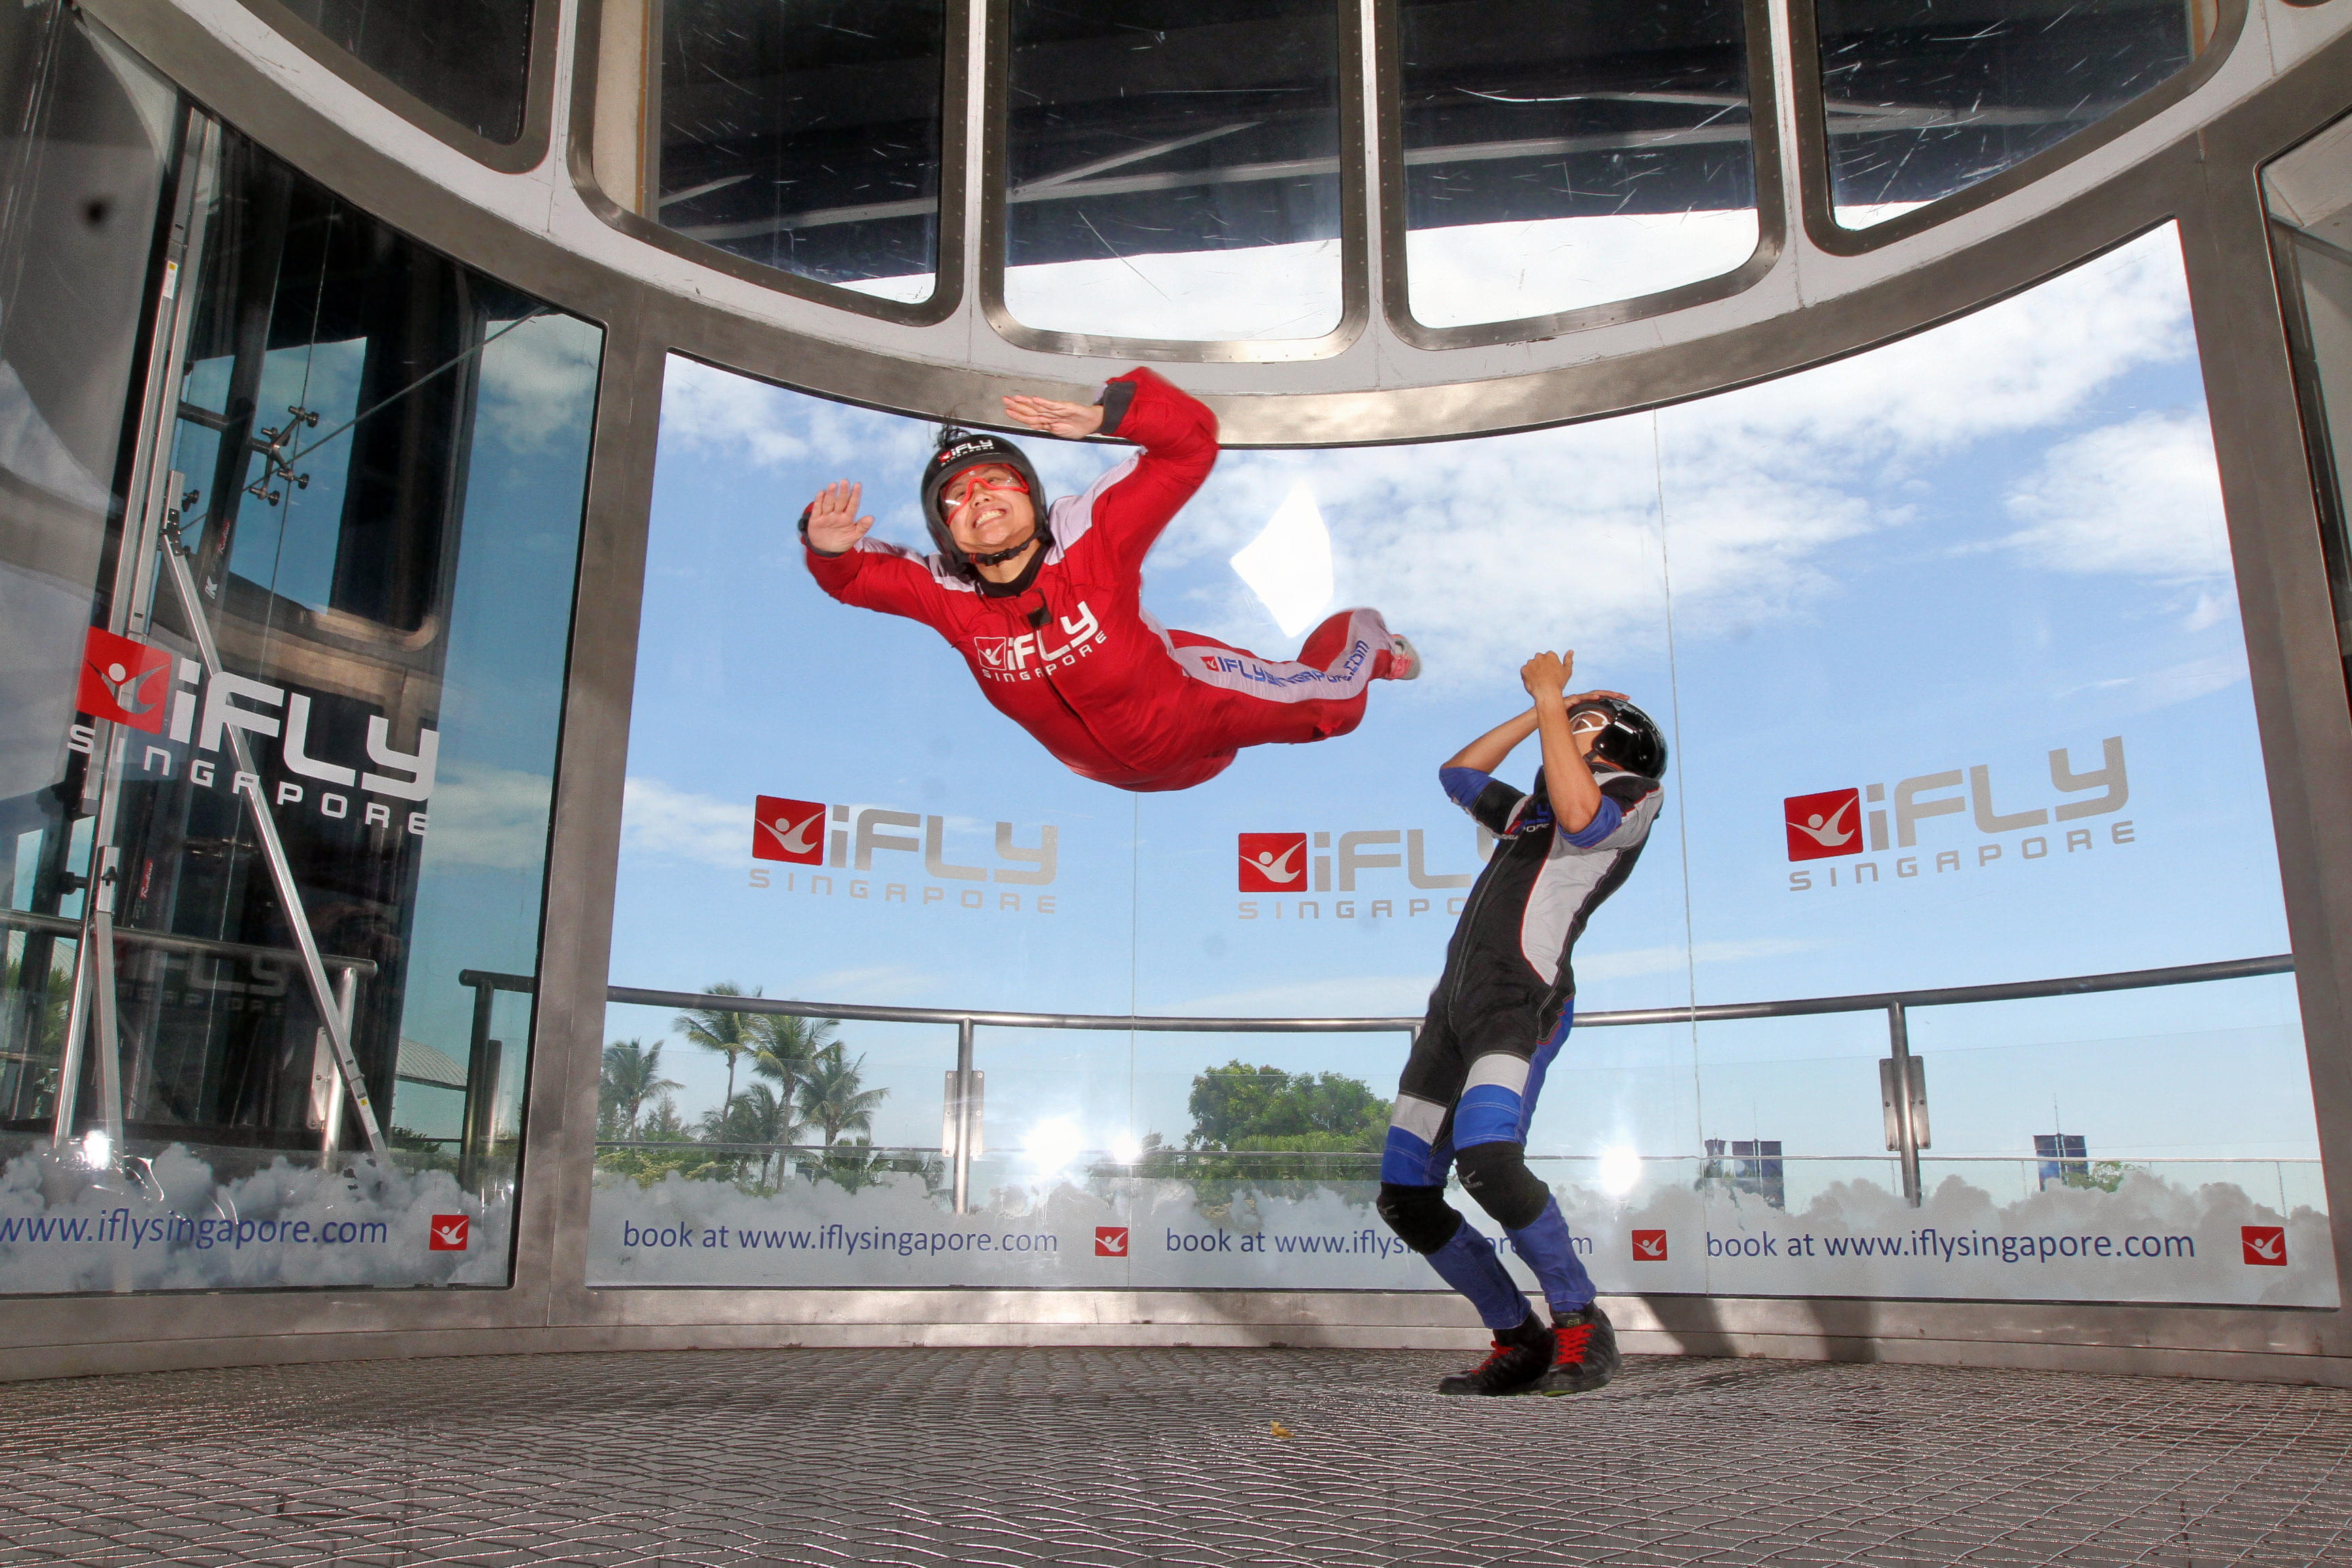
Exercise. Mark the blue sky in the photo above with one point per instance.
(1967, 549)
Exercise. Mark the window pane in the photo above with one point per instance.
(1174, 168)
(2309, 193)
(379, 459)
(805, 136)
(1927, 96)
(1556, 157)
(472, 62)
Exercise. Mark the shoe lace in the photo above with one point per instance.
(1572, 1338)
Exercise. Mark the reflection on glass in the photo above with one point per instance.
(472, 62)
(805, 136)
(1924, 98)
(82, 186)
(1174, 170)
(2309, 192)
(1558, 156)
(378, 461)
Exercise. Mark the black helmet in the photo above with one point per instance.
(961, 450)
(1627, 740)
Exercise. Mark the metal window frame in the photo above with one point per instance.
(2204, 179)
(1819, 214)
(1355, 284)
(519, 156)
(1771, 209)
(947, 283)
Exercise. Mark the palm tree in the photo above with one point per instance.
(831, 1096)
(733, 1034)
(789, 1047)
(632, 1077)
(760, 1116)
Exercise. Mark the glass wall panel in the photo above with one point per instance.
(1173, 171)
(97, 134)
(805, 136)
(2309, 193)
(338, 668)
(1923, 98)
(1556, 157)
(1943, 640)
(472, 62)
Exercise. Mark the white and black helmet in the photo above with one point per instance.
(1625, 738)
(961, 450)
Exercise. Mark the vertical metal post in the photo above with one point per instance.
(481, 1084)
(963, 1116)
(1898, 1036)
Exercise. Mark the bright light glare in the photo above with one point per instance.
(1620, 1171)
(97, 1149)
(1124, 1150)
(1051, 1145)
(1288, 565)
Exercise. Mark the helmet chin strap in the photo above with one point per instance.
(1002, 557)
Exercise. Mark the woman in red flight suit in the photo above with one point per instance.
(1049, 611)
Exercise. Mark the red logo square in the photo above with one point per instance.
(1274, 862)
(2265, 1244)
(1111, 1241)
(1649, 1246)
(123, 681)
(450, 1233)
(787, 830)
(1823, 824)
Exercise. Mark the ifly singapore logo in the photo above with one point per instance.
(1871, 819)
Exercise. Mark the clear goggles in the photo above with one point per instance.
(972, 483)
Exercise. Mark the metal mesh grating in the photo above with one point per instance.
(933, 1457)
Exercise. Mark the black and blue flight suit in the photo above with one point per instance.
(1497, 1018)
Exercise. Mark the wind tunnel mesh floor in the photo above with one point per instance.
(934, 1458)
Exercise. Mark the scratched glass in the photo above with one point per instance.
(805, 136)
(472, 62)
(1173, 169)
(1558, 157)
(1924, 98)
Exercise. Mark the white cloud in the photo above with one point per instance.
(658, 819)
(720, 411)
(490, 816)
(539, 378)
(2142, 498)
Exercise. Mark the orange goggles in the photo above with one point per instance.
(973, 485)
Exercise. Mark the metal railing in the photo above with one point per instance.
(1903, 1086)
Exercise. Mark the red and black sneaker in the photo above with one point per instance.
(1587, 1355)
(1521, 1357)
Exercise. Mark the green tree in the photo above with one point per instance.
(731, 1035)
(789, 1048)
(632, 1076)
(759, 1115)
(680, 1152)
(1239, 1107)
(833, 1094)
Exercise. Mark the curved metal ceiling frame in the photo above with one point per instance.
(1771, 210)
(519, 156)
(1812, 137)
(948, 281)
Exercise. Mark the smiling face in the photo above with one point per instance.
(988, 509)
